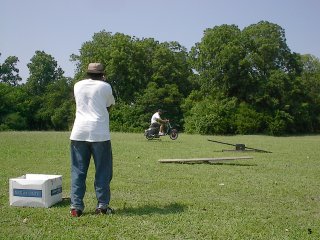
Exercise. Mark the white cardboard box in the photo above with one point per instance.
(35, 190)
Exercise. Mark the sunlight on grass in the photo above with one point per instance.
(272, 196)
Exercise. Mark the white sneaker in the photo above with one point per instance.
(161, 134)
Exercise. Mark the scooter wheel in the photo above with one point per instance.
(174, 134)
(149, 136)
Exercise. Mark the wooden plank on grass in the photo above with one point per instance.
(218, 159)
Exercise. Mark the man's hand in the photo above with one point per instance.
(165, 120)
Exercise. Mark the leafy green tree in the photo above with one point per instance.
(13, 107)
(132, 63)
(57, 105)
(169, 65)
(12, 96)
(143, 73)
(256, 67)
(9, 73)
(5, 99)
(311, 77)
(43, 70)
(167, 98)
(121, 59)
(310, 80)
(43, 100)
(270, 64)
(217, 59)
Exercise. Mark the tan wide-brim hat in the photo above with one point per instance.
(95, 68)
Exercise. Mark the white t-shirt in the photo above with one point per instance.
(155, 117)
(92, 118)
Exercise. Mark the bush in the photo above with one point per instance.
(4, 127)
(248, 120)
(61, 117)
(127, 118)
(211, 117)
(303, 119)
(278, 125)
(14, 121)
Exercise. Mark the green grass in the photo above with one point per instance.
(272, 196)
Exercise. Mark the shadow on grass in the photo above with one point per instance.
(220, 163)
(233, 164)
(152, 209)
(66, 201)
(142, 210)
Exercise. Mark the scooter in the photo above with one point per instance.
(153, 132)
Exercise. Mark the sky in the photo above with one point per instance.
(60, 27)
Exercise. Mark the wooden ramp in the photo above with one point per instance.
(199, 160)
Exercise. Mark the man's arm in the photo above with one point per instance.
(159, 120)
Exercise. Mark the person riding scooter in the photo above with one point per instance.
(157, 122)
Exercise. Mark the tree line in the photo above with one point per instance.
(231, 82)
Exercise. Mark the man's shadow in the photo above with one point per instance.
(171, 208)
(148, 209)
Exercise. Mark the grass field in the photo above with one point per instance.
(272, 196)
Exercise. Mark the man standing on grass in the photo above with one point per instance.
(90, 136)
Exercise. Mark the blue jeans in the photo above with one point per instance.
(81, 153)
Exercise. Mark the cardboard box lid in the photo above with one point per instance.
(34, 178)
